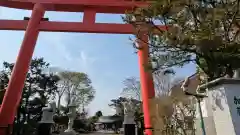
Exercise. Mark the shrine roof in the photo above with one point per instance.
(109, 119)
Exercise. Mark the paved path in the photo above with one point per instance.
(100, 133)
(97, 133)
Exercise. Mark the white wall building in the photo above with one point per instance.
(221, 109)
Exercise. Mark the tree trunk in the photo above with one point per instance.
(69, 99)
(16, 126)
(229, 71)
(59, 102)
(27, 102)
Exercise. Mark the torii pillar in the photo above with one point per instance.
(13, 93)
(146, 80)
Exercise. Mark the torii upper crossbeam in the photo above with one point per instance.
(100, 6)
(36, 23)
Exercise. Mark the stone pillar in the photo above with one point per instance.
(71, 115)
(44, 127)
(224, 106)
(129, 119)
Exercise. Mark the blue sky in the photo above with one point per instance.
(108, 59)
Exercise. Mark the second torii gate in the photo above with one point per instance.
(37, 23)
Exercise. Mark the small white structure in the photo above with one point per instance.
(48, 113)
(222, 107)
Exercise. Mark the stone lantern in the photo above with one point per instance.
(47, 119)
(71, 115)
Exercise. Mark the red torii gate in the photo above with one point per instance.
(36, 24)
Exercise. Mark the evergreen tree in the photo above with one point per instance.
(38, 89)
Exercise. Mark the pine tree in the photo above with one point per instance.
(205, 32)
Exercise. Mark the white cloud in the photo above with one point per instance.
(80, 60)
(56, 40)
(86, 60)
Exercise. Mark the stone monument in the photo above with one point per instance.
(71, 115)
(129, 118)
(46, 122)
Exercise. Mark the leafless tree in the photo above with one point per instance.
(177, 115)
(132, 88)
(163, 82)
(64, 85)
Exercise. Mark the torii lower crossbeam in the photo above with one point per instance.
(69, 27)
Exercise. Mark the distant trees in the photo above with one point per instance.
(175, 116)
(132, 88)
(118, 104)
(99, 114)
(75, 85)
(4, 78)
(164, 80)
(41, 87)
(95, 118)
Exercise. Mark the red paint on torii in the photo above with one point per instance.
(100, 6)
(36, 24)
